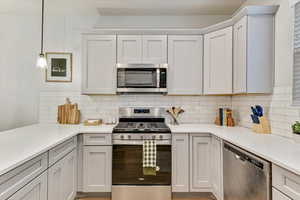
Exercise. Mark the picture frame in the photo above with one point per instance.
(59, 67)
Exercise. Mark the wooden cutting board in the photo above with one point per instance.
(68, 113)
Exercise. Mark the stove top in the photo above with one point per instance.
(141, 125)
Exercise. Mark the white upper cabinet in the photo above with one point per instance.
(240, 57)
(154, 49)
(254, 54)
(147, 49)
(185, 56)
(99, 64)
(129, 49)
(218, 62)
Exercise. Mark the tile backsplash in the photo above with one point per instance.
(198, 109)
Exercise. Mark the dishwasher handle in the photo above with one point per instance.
(244, 156)
(239, 158)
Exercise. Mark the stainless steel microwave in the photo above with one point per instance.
(142, 78)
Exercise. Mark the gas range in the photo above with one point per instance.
(128, 179)
(138, 124)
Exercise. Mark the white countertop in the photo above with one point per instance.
(20, 145)
(276, 149)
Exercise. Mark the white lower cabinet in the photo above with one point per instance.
(62, 178)
(286, 182)
(35, 190)
(180, 163)
(217, 167)
(97, 167)
(200, 161)
(278, 195)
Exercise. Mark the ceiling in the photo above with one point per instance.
(168, 7)
(125, 7)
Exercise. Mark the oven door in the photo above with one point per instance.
(128, 166)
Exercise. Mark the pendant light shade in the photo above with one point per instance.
(41, 61)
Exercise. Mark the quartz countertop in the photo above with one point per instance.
(22, 144)
(279, 150)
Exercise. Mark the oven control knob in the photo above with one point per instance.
(122, 137)
(142, 137)
(161, 137)
(129, 136)
(153, 137)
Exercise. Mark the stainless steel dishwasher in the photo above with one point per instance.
(246, 177)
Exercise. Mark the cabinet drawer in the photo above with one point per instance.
(278, 195)
(35, 190)
(22, 175)
(286, 181)
(96, 139)
(61, 150)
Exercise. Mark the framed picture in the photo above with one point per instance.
(59, 67)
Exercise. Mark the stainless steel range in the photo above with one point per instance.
(129, 182)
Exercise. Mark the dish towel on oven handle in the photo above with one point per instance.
(149, 158)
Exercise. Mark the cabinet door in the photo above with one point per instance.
(276, 195)
(217, 168)
(35, 190)
(180, 163)
(200, 168)
(99, 64)
(63, 178)
(154, 49)
(185, 56)
(129, 49)
(218, 62)
(240, 56)
(97, 164)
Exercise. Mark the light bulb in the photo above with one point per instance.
(41, 61)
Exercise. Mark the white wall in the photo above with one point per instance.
(19, 91)
(20, 80)
(193, 21)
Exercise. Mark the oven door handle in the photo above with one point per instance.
(140, 142)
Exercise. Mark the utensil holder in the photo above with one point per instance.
(263, 127)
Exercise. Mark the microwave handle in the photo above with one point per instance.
(158, 78)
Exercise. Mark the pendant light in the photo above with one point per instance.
(41, 61)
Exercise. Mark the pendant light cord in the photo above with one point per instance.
(42, 31)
